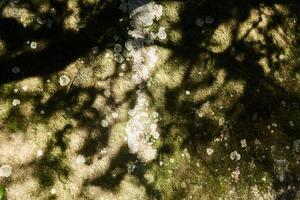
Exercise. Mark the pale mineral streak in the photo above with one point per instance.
(142, 128)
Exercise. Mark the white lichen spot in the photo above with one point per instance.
(155, 114)
(80, 159)
(53, 191)
(16, 102)
(140, 128)
(236, 174)
(221, 121)
(209, 151)
(64, 80)
(118, 57)
(104, 123)
(296, 145)
(115, 115)
(199, 22)
(25, 88)
(235, 155)
(39, 153)
(209, 20)
(162, 35)
(117, 48)
(33, 45)
(5, 171)
(187, 92)
(243, 143)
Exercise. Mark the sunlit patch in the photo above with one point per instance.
(138, 93)
(80, 159)
(71, 22)
(264, 63)
(222, 38)
(2, 47)
(22, 15)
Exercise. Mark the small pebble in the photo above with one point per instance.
(243, 143)
(118, 57)
(155, 114)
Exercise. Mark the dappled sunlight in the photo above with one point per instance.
(150, 100)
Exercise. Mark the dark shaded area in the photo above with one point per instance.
(59, 47)
(122, 164)
(261, 102)
(51, 164)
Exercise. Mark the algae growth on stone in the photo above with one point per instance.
(138, 99)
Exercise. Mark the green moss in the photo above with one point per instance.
(7, 89)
